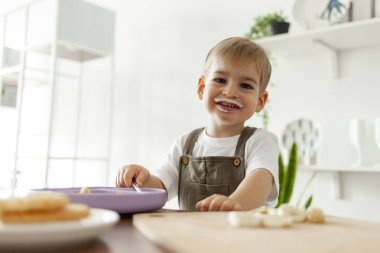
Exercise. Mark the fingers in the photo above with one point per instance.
(120, 178)
(120, 182)
(129, 173)
(230, 205)
(218, 203)
(142, 177)
(211, 203)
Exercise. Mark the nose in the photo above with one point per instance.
(230, 90)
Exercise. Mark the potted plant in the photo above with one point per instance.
(279, 24)
(267, 25)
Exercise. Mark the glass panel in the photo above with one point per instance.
(12, 41)
(9, 90)
(61, 173)
(41, 22)
(15, 30)
(33, 146)
(95, 108)
(11, 57)
(65, 117)
(35, 111)
(32, 173)
(6, 158)
(90, 173)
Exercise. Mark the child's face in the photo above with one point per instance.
(231, 92)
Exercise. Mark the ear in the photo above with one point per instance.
(201, 87)
(261, 101)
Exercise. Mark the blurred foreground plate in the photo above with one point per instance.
(121, 200)
(53, 235)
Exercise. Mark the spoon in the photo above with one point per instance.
(136, 187)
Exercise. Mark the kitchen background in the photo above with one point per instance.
(159, 51)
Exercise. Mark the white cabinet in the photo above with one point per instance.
(57, 87)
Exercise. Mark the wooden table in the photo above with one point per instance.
(212, 233)
(122, 238)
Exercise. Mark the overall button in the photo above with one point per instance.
(185, 160)
(237, 162)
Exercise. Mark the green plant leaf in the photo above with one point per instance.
(308, 202)
(291, 173)
(281, 179)
(305, 188)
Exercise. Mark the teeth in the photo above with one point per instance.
(229, 102)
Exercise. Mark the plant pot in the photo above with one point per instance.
(279, 27)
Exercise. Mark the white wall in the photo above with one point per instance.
(160, 48)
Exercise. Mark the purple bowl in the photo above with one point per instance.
(121, 200)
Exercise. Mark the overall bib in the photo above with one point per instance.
(201, 177)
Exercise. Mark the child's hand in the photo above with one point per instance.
(132, 172)
(218, 202)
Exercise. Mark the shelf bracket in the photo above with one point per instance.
(333, 55)
(336, 181)
(336, 185)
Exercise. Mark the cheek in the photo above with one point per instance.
(208, 100)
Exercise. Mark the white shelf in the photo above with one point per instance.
(10, 71)
(330, 40)
(339, 37)
(347, 168)
(67, 51)
(336, 174)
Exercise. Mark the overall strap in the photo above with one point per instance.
(244, 136)
(190, 142)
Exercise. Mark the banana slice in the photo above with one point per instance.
(315, 215)
(277, 221)
(284, 216)
(298, 215)
(243, 219)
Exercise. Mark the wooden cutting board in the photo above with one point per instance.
(210, 232)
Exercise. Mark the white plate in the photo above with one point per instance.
(308, 13)
(57, 234)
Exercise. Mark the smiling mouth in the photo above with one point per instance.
(227, 105)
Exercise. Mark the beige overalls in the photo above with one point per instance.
(200, 177)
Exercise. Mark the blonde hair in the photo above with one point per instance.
(237, 49)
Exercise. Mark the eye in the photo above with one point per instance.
(246, 86)
(220, 80)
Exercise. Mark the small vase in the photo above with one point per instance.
(358, 136)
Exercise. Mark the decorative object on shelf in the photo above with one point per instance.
(312, 14)
(335, 10)
(377, 135)
(267, 25)
(306, 134)
(287, 175)
(360, 136)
